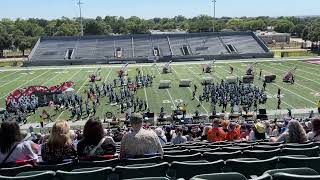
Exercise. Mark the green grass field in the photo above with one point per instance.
(303, 94)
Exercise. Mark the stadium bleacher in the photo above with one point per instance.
(132, 47)
(239, 158)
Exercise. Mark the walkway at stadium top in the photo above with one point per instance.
(147, 47)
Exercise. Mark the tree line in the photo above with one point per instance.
(22, 34)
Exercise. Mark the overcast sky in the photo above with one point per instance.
(50, 9)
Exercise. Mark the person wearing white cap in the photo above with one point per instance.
(161, 136)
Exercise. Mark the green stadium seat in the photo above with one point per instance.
(85, 174)
(234, 149)
(203, 150)
(211, 157)
(249, 168)
(105, 163)
(12, 171)
(40, 176)
(178, 152)
(158, 170)
(287, 176)
(271, 143)
(63, 166)
(307, 145)
(30, 173)
(297, 171)
(311, 152)
(297, 162)
(151, 178)
(142, 160)
(181, 158)
(266, 147)
(187, 170)
(259, 154)
(194, 147)
(220, 176)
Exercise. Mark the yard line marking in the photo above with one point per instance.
(145, 91)
(295, 75)
(191, 92)
(69, 80)
(12, 79)
(174, 105)
(26, 83)
(9, 74)
(108, 76)
(302, 64)
(267, 89)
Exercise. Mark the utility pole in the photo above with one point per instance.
(81, 23)
(214, 14)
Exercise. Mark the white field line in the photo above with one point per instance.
(171, 99)
(9, 74)
(13, 80)
(305, 87)
(191, 92)
(68, 80)
(269, 92)
(145, 91)
(300, 64)
(148, 64)
(107, 76)
(26, 83)
(295, 75)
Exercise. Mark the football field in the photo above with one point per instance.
(304, 94)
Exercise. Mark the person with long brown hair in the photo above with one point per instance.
(59, 146)
(294, 134)
(314, 135)
(94, 143)
(12, 146)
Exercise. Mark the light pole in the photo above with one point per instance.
(214, 14)
(81, 24)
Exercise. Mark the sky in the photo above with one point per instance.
(51, 9)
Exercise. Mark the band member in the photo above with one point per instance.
(231, 70)
(279, 103)
(264, 86)
(260, 74)
(279, 93)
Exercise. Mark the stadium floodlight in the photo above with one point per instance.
(214, 13)
(81, 23)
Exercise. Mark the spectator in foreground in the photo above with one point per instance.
(216, 133)
(258, 132)
(59, 147)
(204, 136)
(94, 143)
(233, 133)
(139, 142)
(161, 136)
(12, 148)
(178, 138)
(294, 134)
(314, 135)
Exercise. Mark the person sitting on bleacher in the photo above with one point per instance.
(294, 134)
(12, 147)
(139, 142)
(178, 138)
(258, 132)
(233, 133)
(161, 136)
(314, 135)
(95, 145)
(59, 147)
(216, 133)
